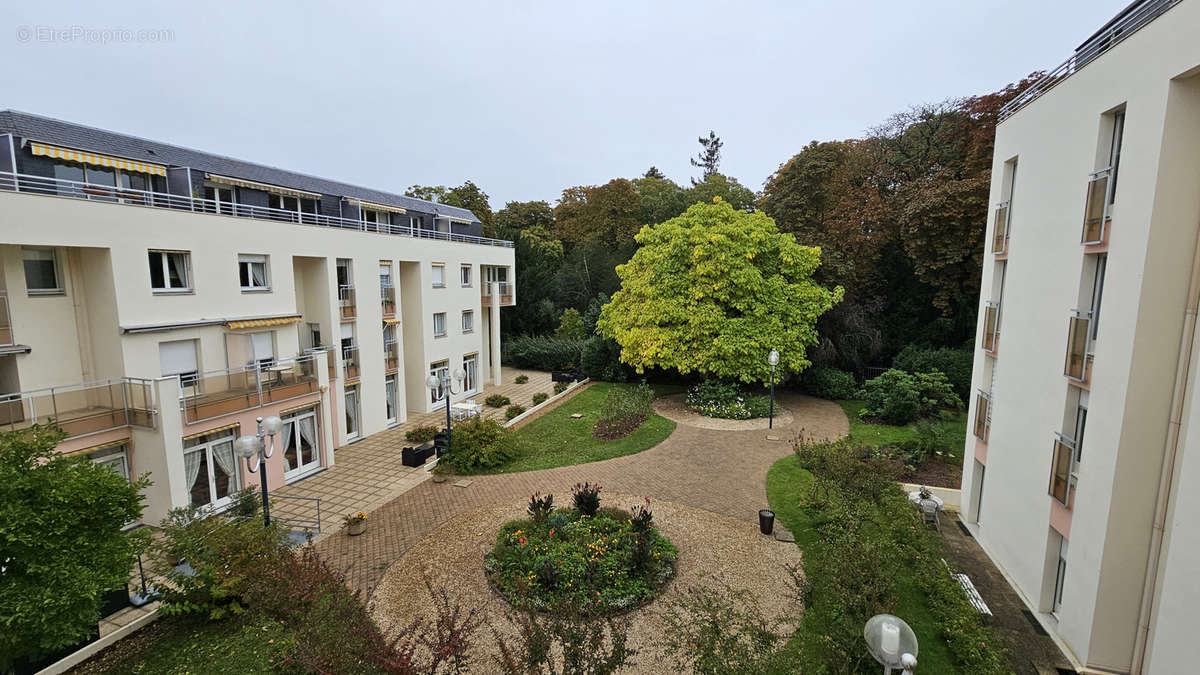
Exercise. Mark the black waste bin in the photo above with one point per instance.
(766, 521)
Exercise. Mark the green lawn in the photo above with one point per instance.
(953, 422)
(787, 486)
(554, 439)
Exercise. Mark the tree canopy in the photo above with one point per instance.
(713, 291)
(608, 214)
(708, 160)
(466, 196)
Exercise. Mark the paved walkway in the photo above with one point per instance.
(724, 472)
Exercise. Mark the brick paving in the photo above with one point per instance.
(721, 471)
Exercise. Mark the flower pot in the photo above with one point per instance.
(356, 528)
(766, 521)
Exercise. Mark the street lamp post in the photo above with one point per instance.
(254, 446)
(434, 383)
(773, 359)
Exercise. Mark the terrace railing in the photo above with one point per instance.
(991, 327)
(6, 331)
(387, 300)
(983, 415)
(1062, 469)
(346, 302)
(82, 409)
(1078, 330)
(57, 187)
(350, 362)
(1095, 212)
(391, 355)
(1000, 229)
(222, 392)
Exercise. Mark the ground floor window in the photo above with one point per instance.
(298, 438)
(210, 468)
(389, 392)
(471, 368)
(440, 370)
(115, 458)
(1060, 573)
(352, 420)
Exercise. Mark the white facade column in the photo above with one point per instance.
(494, 329)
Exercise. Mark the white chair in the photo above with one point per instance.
(929, 513)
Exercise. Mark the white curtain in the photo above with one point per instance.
(223, 454)
(308, 431)
(191, 467)
(178, 270)
(287, 438)
(259, 272)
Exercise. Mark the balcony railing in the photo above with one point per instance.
(346, 302)
(991, 327)
(391, 355)
(221, 392)
(82, 409)
(503, 288)
(1062, 469)
(1000, 230)
(1095, 216)
(1119, 29)
(388, 300)
(6, 332)
(104, 193)
(350, 362)
(1078, 331)
(983, 415)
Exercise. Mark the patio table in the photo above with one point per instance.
(914, 498)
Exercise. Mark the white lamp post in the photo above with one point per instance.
(892, 642)
(434, 383)
(253, 446)
(773, 359)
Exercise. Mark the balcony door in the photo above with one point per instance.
(300, 444)
(353, 428)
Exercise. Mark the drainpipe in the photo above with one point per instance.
(1167, 475)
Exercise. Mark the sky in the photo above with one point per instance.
(524, 98)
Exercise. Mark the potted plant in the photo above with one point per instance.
(356, 523)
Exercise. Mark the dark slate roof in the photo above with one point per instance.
(57, 132)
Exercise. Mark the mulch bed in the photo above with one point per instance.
(935, 474)
(611, 431)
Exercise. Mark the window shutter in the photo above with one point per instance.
(177, 357)
(264, 347)
(347, 331)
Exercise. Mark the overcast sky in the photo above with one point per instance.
(524, 98)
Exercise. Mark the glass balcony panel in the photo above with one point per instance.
(1077, 345)
(1096, 210)
(982, 405)
(81, 409)
(991, 328)
(1000, 230)
(1060, 469)
(346, 301)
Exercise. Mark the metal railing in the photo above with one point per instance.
(6, 331)
(106, 193)
(346, 302)
(82, 409)
(1000, 229)
(983, 414)
(1062, 469)
(387, 300)
(503, 288)
(350, 361)
(221, 392)
(298, 513)
(391, 355)
(1077, 345)
(1095, 211)
(991, 326)
(1111, 35)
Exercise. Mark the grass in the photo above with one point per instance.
(867, 433)
(787, 485)
(555, 439)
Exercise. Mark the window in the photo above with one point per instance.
(440, 370)
(1060, 573)
(352, 427)
(252, 272)
(439, 276)
(374, 219)
(115, 458)
(468, 321)
(385, 276)
(210, 469)
(389, 395)
(314, 335)
(439, 324)
(170, 270)
(41, 270)
(298, 438)
(263, 346)
(178, 358)
(470, 367)
(414, 222)
(1114, 154)
(1080, 426)
(1098, 291)
(296, 204)
(218, 199)
(499, 274)
(465, 275)
(344, 278)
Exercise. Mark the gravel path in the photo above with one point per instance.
(714, 551)
(673, 408)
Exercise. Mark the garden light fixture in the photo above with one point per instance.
(435, 383)
(773, 359)
(892, 642)
(248, 447)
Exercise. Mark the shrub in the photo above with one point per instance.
(540, 507)
(421, 434)
(563, 641)
(898, 397)
(497, 400)
(571, 326)
(716, 398)
(479, 443)
(560, 387)
(712, 632)
(830, 383)
(540, 398)
(586, 498)
(601, 360)
(642, 518)
(540, 352)
(955, 364)
(624, 410)
(521, 379)
(513, 411)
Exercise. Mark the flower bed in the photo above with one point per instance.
(605, 563)
(713, 398)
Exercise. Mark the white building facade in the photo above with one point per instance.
(157, 300)
(1086, 423)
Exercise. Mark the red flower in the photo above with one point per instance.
(522, 541)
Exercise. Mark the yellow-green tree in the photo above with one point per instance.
(713, 291)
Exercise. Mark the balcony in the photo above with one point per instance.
(346, 302)
(1079, 328)
(1062, 471)
(82, 409)
(503, 288)
(983, 415)
(350, 362)
(388, 300)
(222, 392)
(1095, 213)
(991, 327)
(1000, 231)
(6, 332)
(15, 182)
(391, 356)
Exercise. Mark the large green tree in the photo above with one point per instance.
(608, 215)
(713, 291)
(719, 185)
(61, 542)
(466, 196)
(661, 198)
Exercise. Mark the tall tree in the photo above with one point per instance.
(719, 185)
(466, 196)
(713, 291)
(709, 158)
(430, 193)
(653, 172)
(538, 258)
(517, 216)
(608, 214)
(661, 199)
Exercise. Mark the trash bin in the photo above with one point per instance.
(766, 521)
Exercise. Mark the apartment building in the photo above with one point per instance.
(1081, 465)
(155, 300)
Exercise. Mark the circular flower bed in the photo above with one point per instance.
(604, 563)
(713, 398)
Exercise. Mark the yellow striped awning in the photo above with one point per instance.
(206, 432)
(299, 407)
(47, 150)
(265, 187)
(391, 321)
(97, 448)
(262, 323)
(376, 206)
